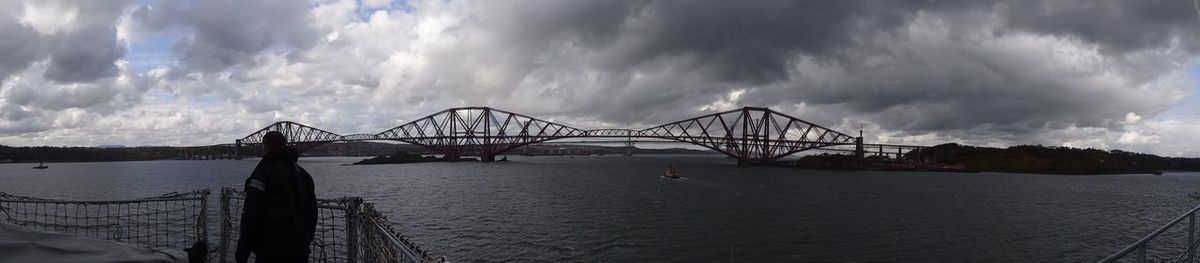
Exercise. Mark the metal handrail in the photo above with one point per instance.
(104, 202)
(408, 251)
(1140, 245)
(199, 194)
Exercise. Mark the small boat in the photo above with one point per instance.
(670, 173)
(41, 166)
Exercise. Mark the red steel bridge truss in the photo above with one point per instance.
(749, 134)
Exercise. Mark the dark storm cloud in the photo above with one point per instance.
(742, 42)
(686, 52)
(739, 41)
(60, 57)
(984, 70)
(86, 49)
(85, 56)
(1116, 24)
(20, 46)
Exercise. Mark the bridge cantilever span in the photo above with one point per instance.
(617, 133)
(358, 137)
(300, 136)
(479, 131)
(750, 134)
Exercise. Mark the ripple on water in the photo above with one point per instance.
(618, 209)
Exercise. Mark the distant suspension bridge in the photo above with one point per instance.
(750, 134)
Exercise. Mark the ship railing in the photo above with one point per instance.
(348, 229)
(1168, 247)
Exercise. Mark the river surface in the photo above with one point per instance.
(619, 209)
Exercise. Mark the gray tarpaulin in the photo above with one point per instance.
(18, 244)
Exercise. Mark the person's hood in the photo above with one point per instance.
(286, 153)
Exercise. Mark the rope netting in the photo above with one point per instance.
(170, 221)
(348, 230)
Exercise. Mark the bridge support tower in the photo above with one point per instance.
(628, 146)
(237, 149)
(858, 147)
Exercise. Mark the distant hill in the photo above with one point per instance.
(84, 154)
(1050, 160)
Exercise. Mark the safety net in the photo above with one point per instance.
(170, 221)
(348, 229)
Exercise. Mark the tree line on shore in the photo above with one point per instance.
(1056, 160)
(1019, 159)
(85, 154)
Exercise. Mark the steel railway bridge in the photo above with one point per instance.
(750, 134)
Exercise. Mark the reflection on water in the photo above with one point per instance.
(616, 208)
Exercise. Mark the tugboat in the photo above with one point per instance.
(41, 166)
(670, 173)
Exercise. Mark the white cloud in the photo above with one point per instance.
(1131, 118)
(50, 17)
(1136, 137)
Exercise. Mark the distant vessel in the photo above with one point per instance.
(670, 172)
(41, 166)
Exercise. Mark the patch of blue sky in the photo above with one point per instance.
(1188, 107)
(208, 100)
(152, 51)
(364, 12)
(161, 95)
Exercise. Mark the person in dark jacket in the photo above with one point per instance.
(280, 211)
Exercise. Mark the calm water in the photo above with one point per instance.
(615, 208)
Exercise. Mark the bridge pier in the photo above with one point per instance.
(858, 147)
(487, 158)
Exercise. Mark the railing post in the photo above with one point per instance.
(203, 220)
(1142, 254)
(1191, 237)
(352, 226)
(225, 225)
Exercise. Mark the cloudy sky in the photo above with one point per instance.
(1085, 73)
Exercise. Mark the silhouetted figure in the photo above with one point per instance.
(280, 212)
